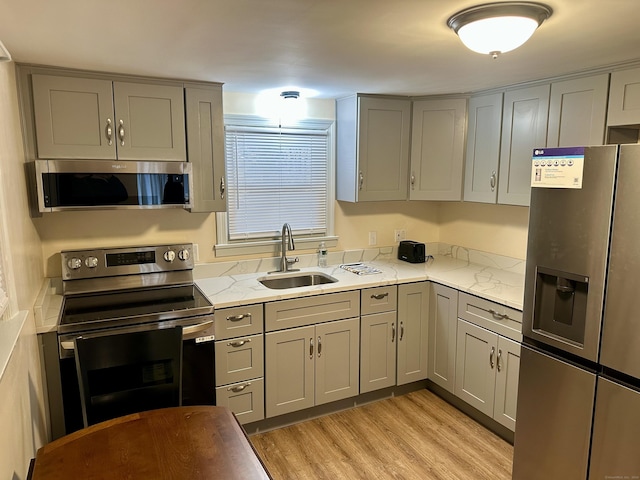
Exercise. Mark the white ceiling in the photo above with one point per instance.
(336, 47)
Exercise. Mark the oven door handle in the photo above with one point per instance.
(191, 329)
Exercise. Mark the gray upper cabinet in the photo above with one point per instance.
(483, 148)
(524, 127)
(577, 111)
(205, 143)
(372, 148)
(624, 98)
(437, 149)
(95, 118)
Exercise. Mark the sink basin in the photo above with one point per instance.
(296, 279)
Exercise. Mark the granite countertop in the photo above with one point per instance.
(496, 278)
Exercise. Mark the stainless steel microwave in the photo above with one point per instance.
(105, 184)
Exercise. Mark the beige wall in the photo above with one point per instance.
(22, 412)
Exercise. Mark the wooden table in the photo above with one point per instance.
(170, 443)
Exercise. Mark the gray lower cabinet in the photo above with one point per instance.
(443, 313)
(378, 337)
(413, 321)
(239, 356)
(487, 369)
(97, 118)
(205, 144)
(311, 365)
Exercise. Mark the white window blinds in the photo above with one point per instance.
(276, 176)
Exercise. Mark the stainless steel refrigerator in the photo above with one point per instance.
(578, 413)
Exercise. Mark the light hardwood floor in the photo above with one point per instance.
(413, 436)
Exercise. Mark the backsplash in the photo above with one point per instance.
(258, 265)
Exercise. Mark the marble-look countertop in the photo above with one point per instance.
(228, 284)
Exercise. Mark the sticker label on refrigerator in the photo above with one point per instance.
(557, 167)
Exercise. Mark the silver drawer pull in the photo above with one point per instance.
(238, 388)
(238, 343)
(380, 296)
(237, 318)
(499, 316)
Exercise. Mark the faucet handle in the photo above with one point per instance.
(291, 261)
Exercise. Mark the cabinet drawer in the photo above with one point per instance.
(244, 399)
(238, 321)
(239, 359)
(379, 299)
(498, 318)
(299, 312)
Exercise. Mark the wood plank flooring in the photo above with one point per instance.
(413, 436)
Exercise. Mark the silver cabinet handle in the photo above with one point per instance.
(239, 343)
(393, 332)
(493, 352)
(311, 348)
(121, 132)
(413, 180)
(401, 331)
(499, 316)
(109, 132)
(499, 362)
(379, 296)
(239, 388)
(360, 180)
(196, 328)
(222, 188)
(237, 318)
(492, 180)
(319, 346)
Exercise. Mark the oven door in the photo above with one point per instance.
(198, 366)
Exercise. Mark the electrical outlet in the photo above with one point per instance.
(399, 235)
(196, 253)
(373, 238)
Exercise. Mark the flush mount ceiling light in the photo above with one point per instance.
(495, 28)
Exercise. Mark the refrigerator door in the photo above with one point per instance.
(620, 348)
(567, 257)
(616, 430)
(555, 404)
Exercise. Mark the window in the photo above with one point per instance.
(276, 175)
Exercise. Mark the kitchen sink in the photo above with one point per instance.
(296, 279)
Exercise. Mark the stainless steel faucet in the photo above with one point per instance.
(287, 243)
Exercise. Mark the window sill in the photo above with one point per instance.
(271, 247)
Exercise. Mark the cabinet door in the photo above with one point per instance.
(239, 359)
(483, 149)
(289, 369)
(524, 127)
(377, 351)
(73, 117)
(507, 374)
(149, 121)
(437, 149)
(624, 98)
(383, 148)
(443, 311)
(205, 144)
(476, 352)
(337, 360)
(413, 321)
(577, 112)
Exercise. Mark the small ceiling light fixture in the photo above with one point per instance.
(290, 94)
(495, 28)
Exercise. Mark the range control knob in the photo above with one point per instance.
(91, 262)
(169, 256)
(184, 255)
(74, 263)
